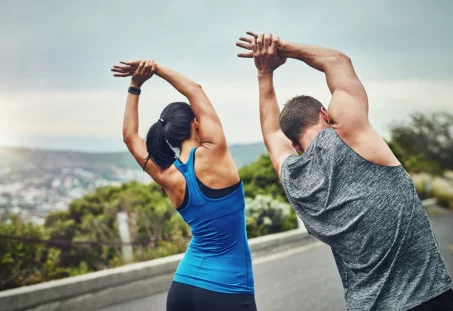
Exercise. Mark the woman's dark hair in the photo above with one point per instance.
(173, 127)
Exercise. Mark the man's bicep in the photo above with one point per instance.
(349, 98)
(348, 108)
(279, 148)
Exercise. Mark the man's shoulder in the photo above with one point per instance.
(368, 145)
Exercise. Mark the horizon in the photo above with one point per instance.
(61, 94)
(112, 148)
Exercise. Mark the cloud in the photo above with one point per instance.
(99, 113)
(70, 45)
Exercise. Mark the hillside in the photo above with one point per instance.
(34, 182)
(17, 159)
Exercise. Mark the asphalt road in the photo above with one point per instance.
(303, 278)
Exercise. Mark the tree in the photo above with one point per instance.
(19, 259)
(425, 143)
(85, 237)
(259, 178)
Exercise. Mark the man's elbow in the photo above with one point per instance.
(336, 59)
(341, 58)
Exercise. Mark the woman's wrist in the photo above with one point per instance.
(136, 84)
(265, 74)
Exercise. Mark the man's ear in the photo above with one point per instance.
(324, 114)
(297, 147)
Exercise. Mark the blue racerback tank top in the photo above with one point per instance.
(218, 256)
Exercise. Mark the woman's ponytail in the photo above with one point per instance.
(165, 137)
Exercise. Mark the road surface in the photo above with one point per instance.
(303, 278)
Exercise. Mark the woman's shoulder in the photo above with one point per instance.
(215, 168)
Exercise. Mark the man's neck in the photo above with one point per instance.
(310, 134)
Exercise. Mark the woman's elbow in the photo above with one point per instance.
(128, 138)
(196, 88)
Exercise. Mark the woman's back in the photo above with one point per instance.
(214, 169)
(216, 272)
(218, 256)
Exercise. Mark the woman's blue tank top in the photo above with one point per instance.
(218, 256)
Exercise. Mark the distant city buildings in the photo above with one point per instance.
(32, 196)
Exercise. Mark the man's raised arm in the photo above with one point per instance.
(267, 60)
(348, 109)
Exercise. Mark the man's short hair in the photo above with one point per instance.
(299, 113)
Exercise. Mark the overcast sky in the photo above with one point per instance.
(56, 90)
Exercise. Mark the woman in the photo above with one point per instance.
(186, 153)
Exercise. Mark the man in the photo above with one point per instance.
(347, 186)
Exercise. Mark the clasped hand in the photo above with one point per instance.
(140, 70)
(264, 48)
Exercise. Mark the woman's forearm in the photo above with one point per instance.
(130, 123)
(180, 82)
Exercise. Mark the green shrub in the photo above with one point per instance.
(419, 164)
(259, 178)
(19, 260)
(266, 216)
(443, 192)
(419, 183)
(448, 175)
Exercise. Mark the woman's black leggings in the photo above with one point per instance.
(442, 302)
(183, 297)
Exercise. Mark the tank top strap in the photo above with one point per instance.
(188, 171)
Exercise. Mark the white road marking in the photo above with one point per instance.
(287, 253)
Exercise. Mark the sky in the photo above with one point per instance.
(57, 91)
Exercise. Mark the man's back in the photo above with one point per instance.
(372, 218)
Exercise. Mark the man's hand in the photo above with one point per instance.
(264, 51)
(139, 70)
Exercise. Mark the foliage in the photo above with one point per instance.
(19, 259)
(266, 216)
(442, 190)
(423, 184)
(153, 223)
(259, 178)
(425, 143)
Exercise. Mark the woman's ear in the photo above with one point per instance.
(196, 124)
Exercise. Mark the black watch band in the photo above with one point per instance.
(134, 90)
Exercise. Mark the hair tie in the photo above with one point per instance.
(162, 121)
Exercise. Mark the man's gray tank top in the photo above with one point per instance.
(372, 218)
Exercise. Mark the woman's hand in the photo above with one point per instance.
(139, 70)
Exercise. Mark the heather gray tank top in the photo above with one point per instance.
(373, 220)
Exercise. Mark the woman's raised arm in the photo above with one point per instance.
(211, 132)
(136, 144)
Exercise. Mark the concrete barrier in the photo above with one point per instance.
(103, 288)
